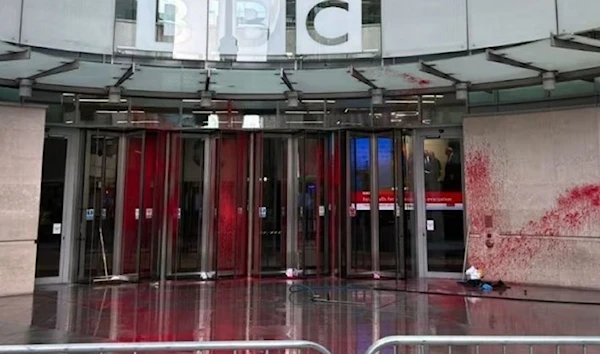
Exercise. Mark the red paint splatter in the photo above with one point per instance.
(416, 80)
(573, 209)
(512, 255)
(479, 189)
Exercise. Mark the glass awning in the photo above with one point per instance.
(569, 57)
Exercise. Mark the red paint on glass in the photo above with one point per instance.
(416, 80)
(227, 204)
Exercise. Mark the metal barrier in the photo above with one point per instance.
(479, 341)
(235, 346)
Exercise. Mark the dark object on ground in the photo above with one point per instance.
(478, 284)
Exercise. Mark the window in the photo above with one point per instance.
(126, 10)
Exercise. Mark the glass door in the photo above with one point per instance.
(375, 221)
(230, 225)
(123, 203)
(441, 209)
(359, 217)
(99, 216)
(188, 183)
(50, 238)
(390, 167)
(270, 204)
(312, 201)
(143, 193)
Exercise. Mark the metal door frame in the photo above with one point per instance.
(373, 136)
(69, 215)
(419, 198)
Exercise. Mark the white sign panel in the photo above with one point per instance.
(494, 23)
(56, 229)
(177, 26)
(328, 26)
(75, 25)
(249, 29)
(321, 210)
(412, 27)
(10, 20)
(262, 212)
(430, 225)
(89, 214)
(578, 15)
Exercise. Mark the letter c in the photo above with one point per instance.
(312, 15)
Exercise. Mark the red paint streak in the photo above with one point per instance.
(573, 209)
(479, 189)
(416, 80)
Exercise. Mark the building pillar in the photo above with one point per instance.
(21, 153)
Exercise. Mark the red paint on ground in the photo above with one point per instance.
(416, 80)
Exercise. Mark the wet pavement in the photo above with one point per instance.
(279, 309)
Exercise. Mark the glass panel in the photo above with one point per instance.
(187, 246)
(144, 188)
(387, 196)
(273, 194)
(444, 205)
(312, 205)
(231, 238)
(51, 208)
(132, 202)
(99, 213)
(360, 208)
(409, 245)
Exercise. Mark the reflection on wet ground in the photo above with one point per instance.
(267, 309)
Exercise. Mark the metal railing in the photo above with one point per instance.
(476, 342)
(203, 347)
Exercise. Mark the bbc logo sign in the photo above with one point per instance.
(322, 26)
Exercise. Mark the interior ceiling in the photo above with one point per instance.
(570, 57)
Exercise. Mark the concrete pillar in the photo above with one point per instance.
(21, 153)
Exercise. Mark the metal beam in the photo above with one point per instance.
(429, 69)
(286, 80)
(487, 86)
(360, 77)
(129, 73)
(207, 82)
(490, 55)
(570, 43)
(70, 66)
(20, 55)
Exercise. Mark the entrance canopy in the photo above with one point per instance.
(557, 59)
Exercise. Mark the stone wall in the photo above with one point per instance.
(21, 152)
(533, 196)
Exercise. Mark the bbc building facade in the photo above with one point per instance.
(179, 139)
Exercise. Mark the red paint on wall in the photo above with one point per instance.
(573, 209)
(479, 189)
(512, 251)
(416, 80)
